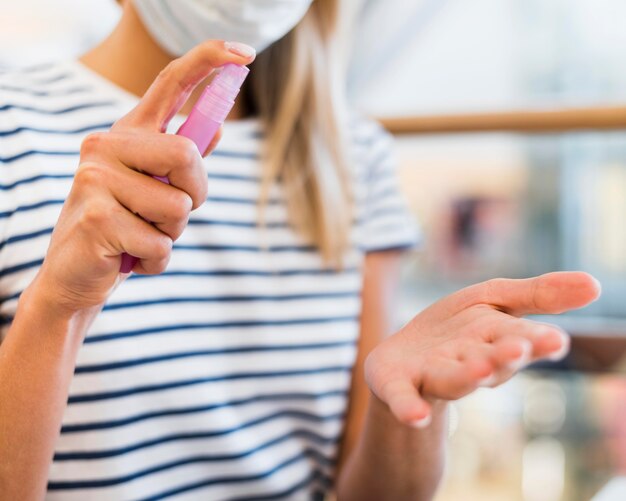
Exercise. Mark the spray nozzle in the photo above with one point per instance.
(230, 78)
(219, 96)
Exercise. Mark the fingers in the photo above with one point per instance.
(505, 358)
(97, 224)
(109, 230)
(405, 402)
(163, 205)
(176, 82)
(511, 354)
(166, 155)
(142, 240)
(515, 344)
(553, 293)
(478, 364)
(493, 360)
(546, 340)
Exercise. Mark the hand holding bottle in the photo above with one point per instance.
(111, 198)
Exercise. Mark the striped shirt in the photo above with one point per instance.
(227, 376)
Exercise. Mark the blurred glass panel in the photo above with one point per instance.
(555, 437)
(517, 206)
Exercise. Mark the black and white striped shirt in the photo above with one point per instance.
(225, 377)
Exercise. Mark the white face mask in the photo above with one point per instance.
(179, 25)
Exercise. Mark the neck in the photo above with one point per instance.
(131, 59)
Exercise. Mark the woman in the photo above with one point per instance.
(243, 367)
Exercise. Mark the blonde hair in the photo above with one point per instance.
(296, 88)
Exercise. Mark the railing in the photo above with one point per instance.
(528, 121)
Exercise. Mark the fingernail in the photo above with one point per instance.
(598, 286)
(516, 365)
(488, 381)
(561, 353)
(522, 360)
(241, 49)
(420, 424)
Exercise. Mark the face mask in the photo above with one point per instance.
(180, 25)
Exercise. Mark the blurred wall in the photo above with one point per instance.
(36, 31)
(435, 55)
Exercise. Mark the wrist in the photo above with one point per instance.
(40, 302)
(394, 460)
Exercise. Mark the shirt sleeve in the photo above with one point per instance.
(386, 223)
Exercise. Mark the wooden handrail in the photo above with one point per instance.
(527, 121)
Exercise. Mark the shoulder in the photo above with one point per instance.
(366, 133)
(371, 148)
(386, 222)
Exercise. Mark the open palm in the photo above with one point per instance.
(475, 337)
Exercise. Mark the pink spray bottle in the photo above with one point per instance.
(205, 119)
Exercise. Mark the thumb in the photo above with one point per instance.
(553, 293)
(175, 83)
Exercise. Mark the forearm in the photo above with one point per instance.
(394, 461)
(37, 361)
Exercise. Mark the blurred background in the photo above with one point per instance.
(494, 195)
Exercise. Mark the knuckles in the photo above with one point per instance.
(458, 392)
(203, 192)
(159, 268)
(482, 293)
(93, 143)
(93, 217)
(162, 248)
(185, 152)
(160, 254)
(490, 286)
(180, 206)
(171, 75)
(207, 51)
(169, 71)
(186, 157)
(89, 175)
